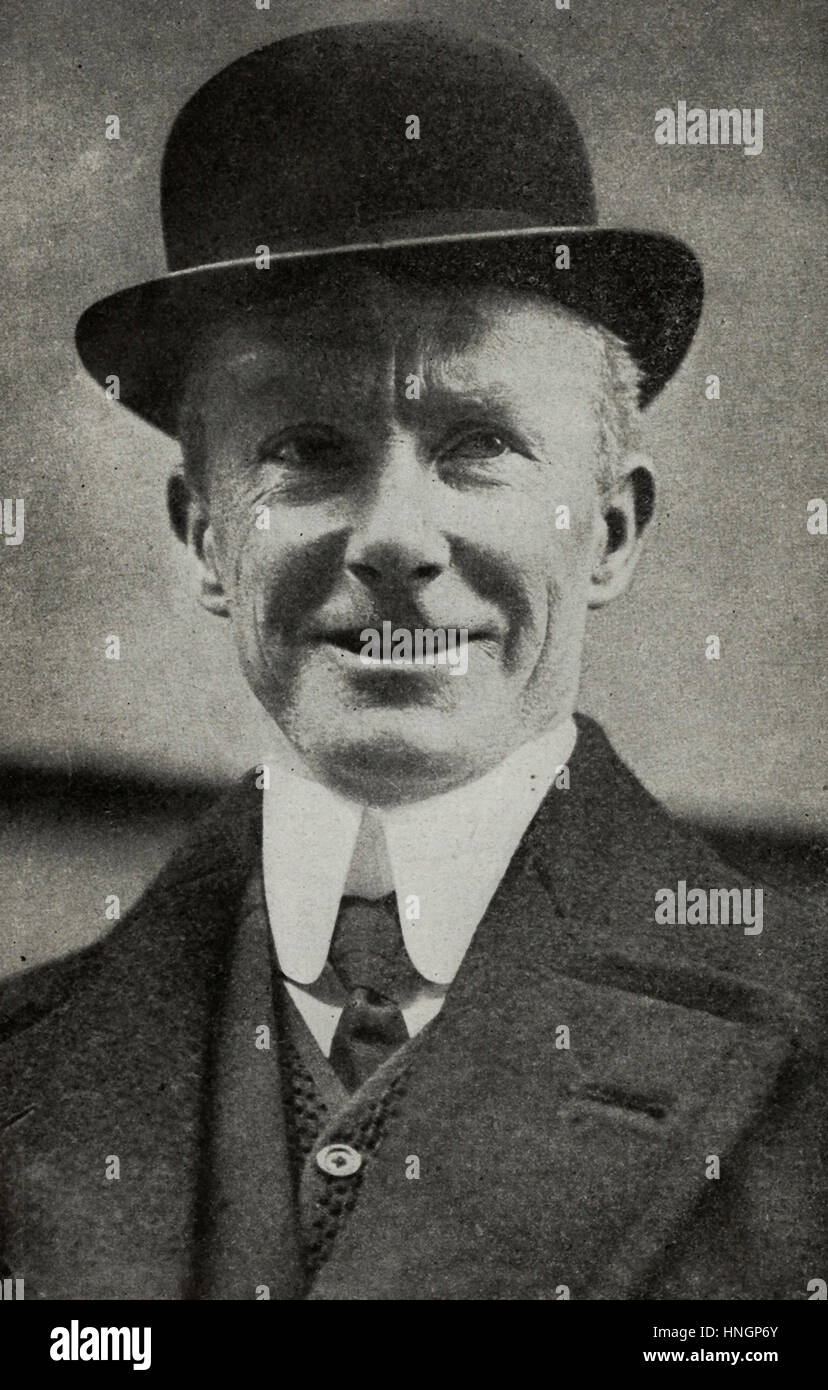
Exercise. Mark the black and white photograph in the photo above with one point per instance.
(412, 593)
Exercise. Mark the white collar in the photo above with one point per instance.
(443, 857)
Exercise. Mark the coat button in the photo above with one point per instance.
(339, 1160)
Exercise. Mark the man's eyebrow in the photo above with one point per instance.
(483, 399)
(496, 402)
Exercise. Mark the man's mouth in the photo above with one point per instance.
(357, 639)
(390, 651)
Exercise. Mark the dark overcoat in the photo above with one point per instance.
(545, 1170)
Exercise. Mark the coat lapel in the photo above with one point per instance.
(549, 1171)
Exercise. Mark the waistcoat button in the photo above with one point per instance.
(339, 1160)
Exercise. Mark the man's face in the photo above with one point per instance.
(388, 454)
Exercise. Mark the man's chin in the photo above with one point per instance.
(390, 756)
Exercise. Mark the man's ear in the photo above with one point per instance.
(190, 519)
(626, 509)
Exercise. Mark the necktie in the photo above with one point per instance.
(368, 955)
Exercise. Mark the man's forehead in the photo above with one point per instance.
(370, 323)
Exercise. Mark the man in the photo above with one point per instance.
(428, 1008)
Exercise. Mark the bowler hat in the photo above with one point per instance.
(401, 144)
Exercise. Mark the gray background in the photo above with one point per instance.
(735, 741)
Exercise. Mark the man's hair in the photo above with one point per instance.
(191, 433)
(617, 408)
(618, 405)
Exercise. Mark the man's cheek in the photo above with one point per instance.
(556, 573)
(560, 547)
(572, 540)
(263, 586)
(280, 580)
(245, 534)
(249, 557)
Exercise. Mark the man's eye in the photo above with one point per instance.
(479, 444)
(304, 451)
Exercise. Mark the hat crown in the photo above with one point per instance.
(309, 137)
(303, 147)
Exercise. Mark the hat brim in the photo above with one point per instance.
(647, 288)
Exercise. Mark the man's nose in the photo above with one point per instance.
(397, 537)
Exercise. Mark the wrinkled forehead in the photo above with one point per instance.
(355, 334)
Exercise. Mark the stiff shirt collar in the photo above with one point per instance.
(443, 857)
